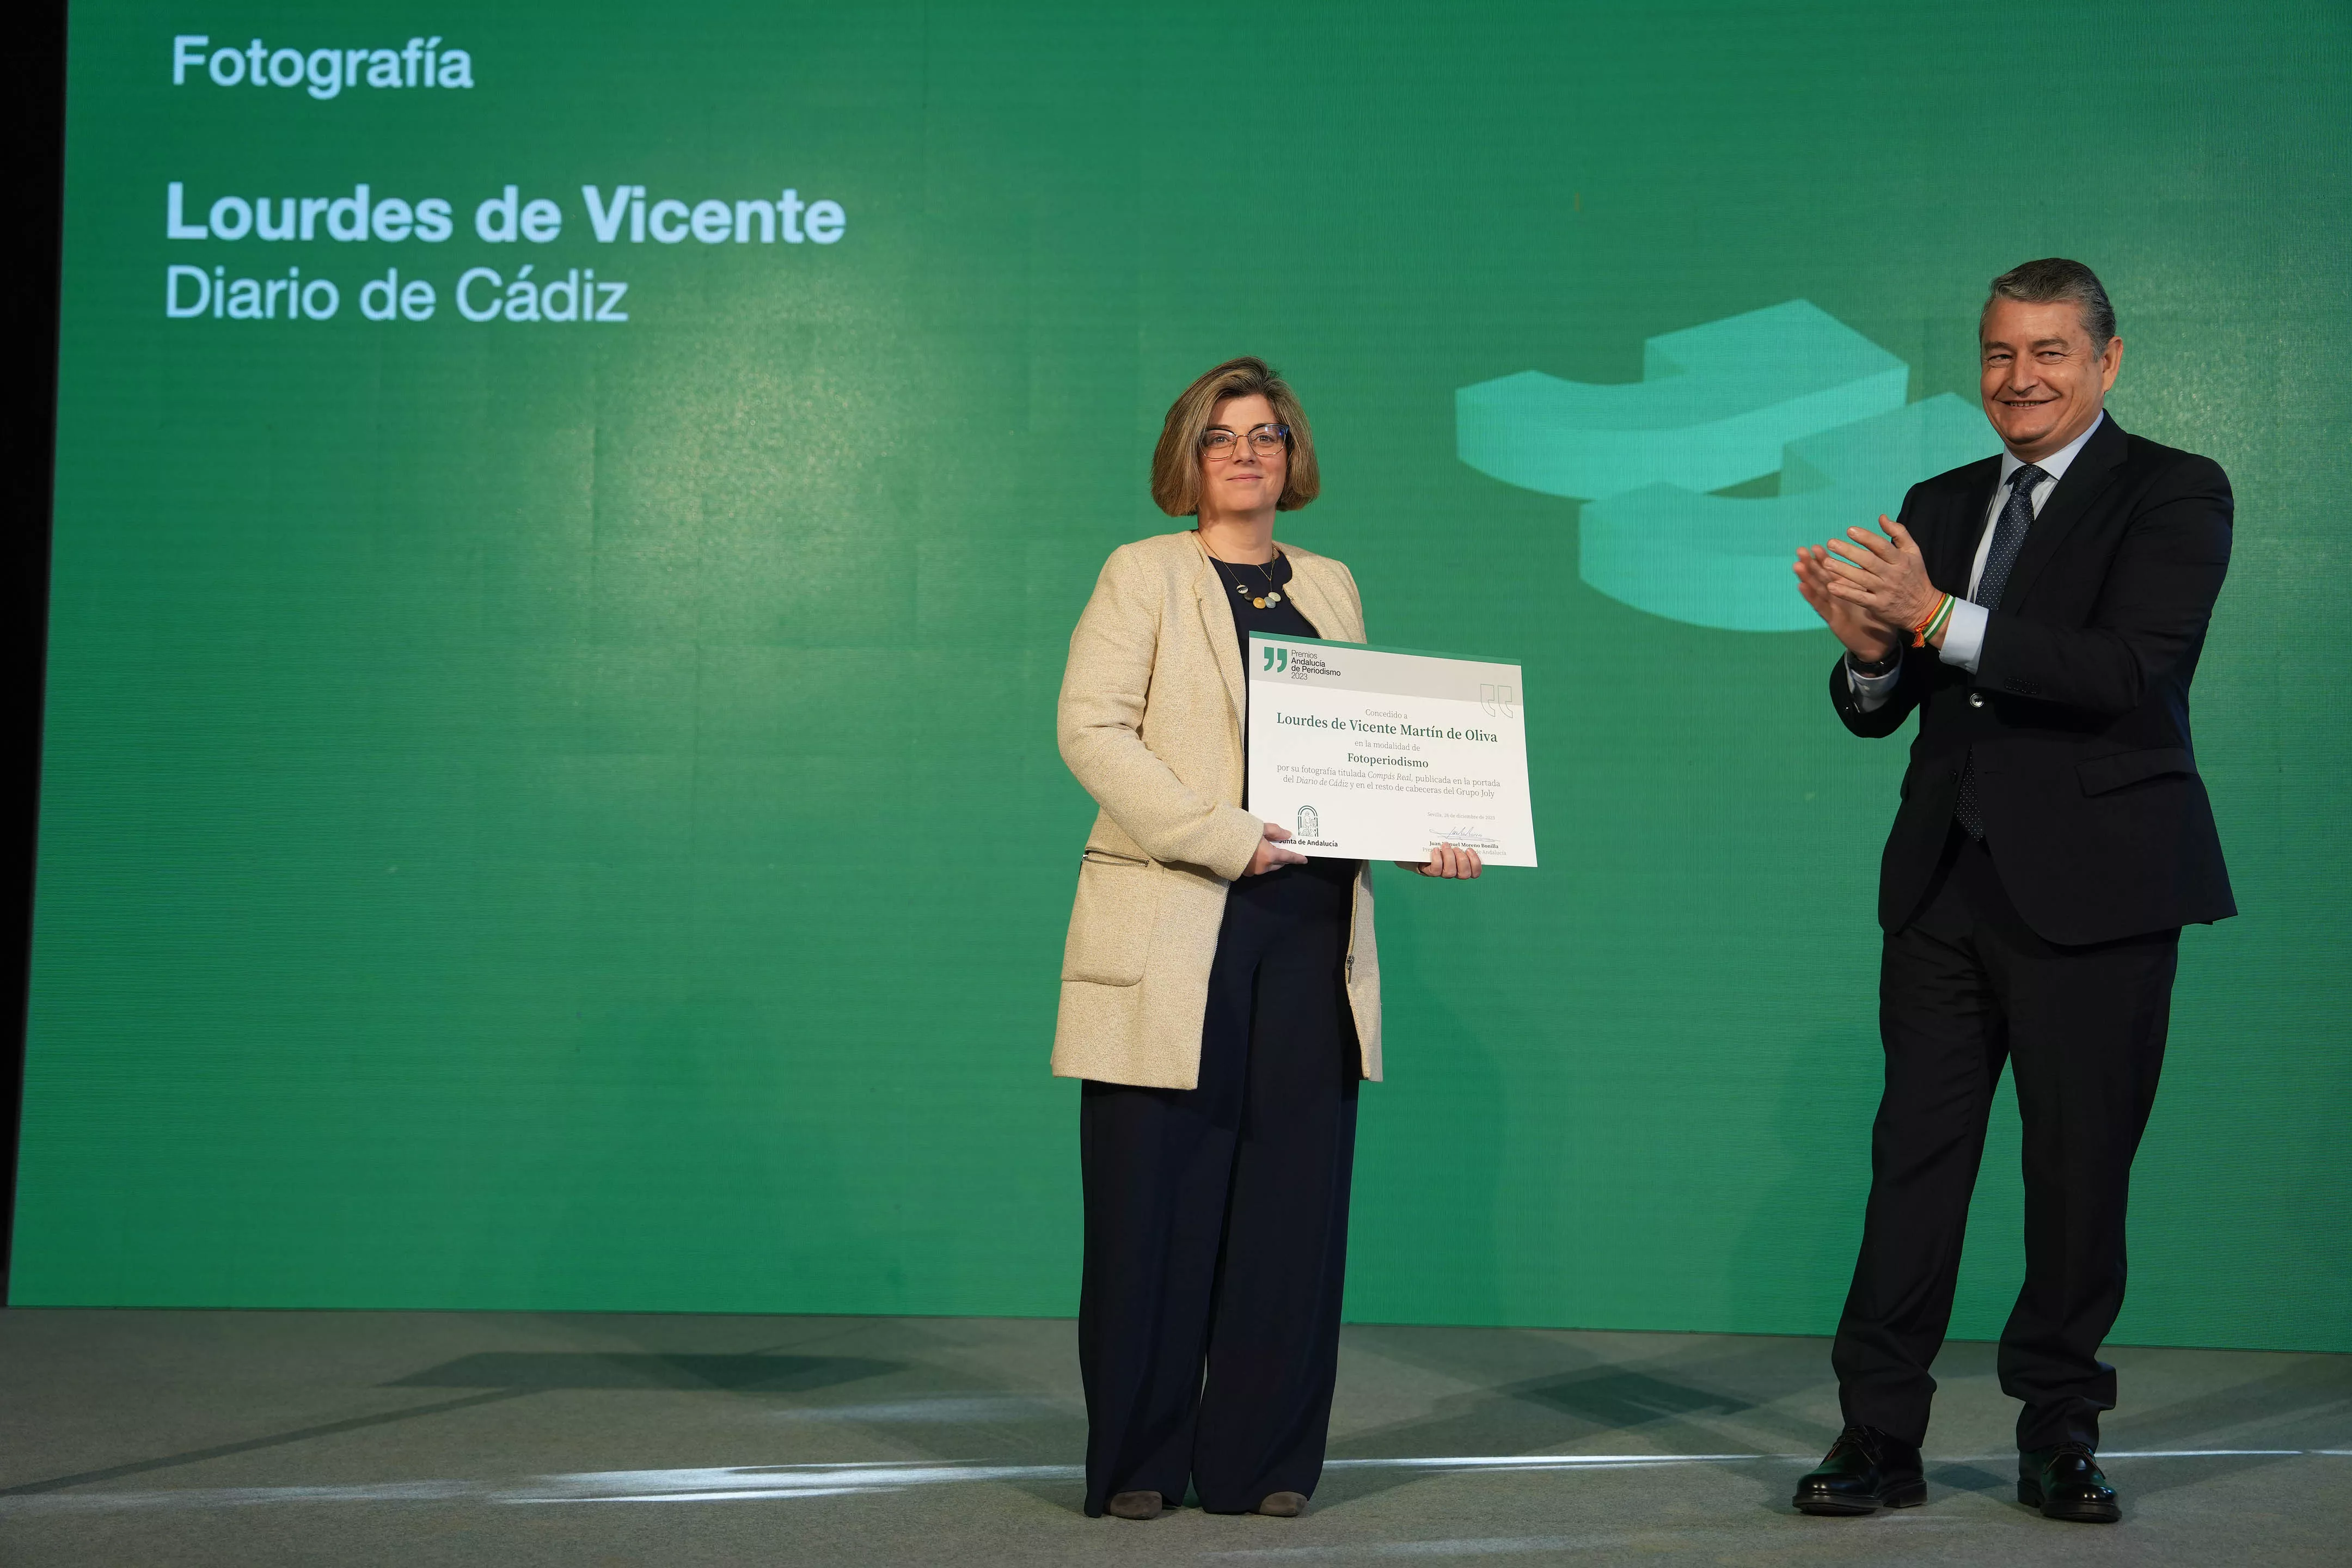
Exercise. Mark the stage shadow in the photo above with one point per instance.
(1971, 1478)
(1621, 1399)
(537, 1370)
(2304, 1403)
(948, 1400)
(253, 1445)
(1704, 1395)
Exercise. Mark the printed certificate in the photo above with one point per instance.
(1374, 754)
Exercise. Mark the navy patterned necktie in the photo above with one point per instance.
(2008, 540)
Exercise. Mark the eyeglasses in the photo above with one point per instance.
(1266, 440)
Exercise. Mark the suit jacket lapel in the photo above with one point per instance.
(1306, 588)
(2085, 477)
(1217, 620)
(1955, 547)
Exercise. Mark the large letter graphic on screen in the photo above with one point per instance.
(1789, 389)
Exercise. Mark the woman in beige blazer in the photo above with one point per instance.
(1220, 994)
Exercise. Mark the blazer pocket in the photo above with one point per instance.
(2102, 775)
(1110, 923)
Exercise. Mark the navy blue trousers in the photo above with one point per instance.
(1216, 1220)
(1966, 988)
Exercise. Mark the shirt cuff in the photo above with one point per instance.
(1964, 636)
(1871, 691)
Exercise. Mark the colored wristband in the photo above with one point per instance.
(1932, 622)
(1943, 616)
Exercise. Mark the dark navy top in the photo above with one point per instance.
(1247, 590)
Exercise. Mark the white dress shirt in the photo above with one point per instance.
(1963, 633)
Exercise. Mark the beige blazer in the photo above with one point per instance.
(1151, 722)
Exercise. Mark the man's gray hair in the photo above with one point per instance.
(2055, 278)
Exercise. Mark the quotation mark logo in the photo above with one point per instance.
(1789, 391)
(1277, 660)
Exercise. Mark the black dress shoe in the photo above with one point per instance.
(2064, 1482)
(1865, 1470)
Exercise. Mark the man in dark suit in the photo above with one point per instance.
(2042, 613)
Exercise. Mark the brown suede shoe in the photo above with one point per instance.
(1133, 1505)
(1282, 1505)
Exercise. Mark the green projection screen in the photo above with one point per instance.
(567, 529)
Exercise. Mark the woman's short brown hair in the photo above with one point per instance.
(1176, 461)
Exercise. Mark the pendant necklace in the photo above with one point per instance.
(1272, 596)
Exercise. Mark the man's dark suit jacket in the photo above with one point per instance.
(2078, 711)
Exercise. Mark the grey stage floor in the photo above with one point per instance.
(248, 1438)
